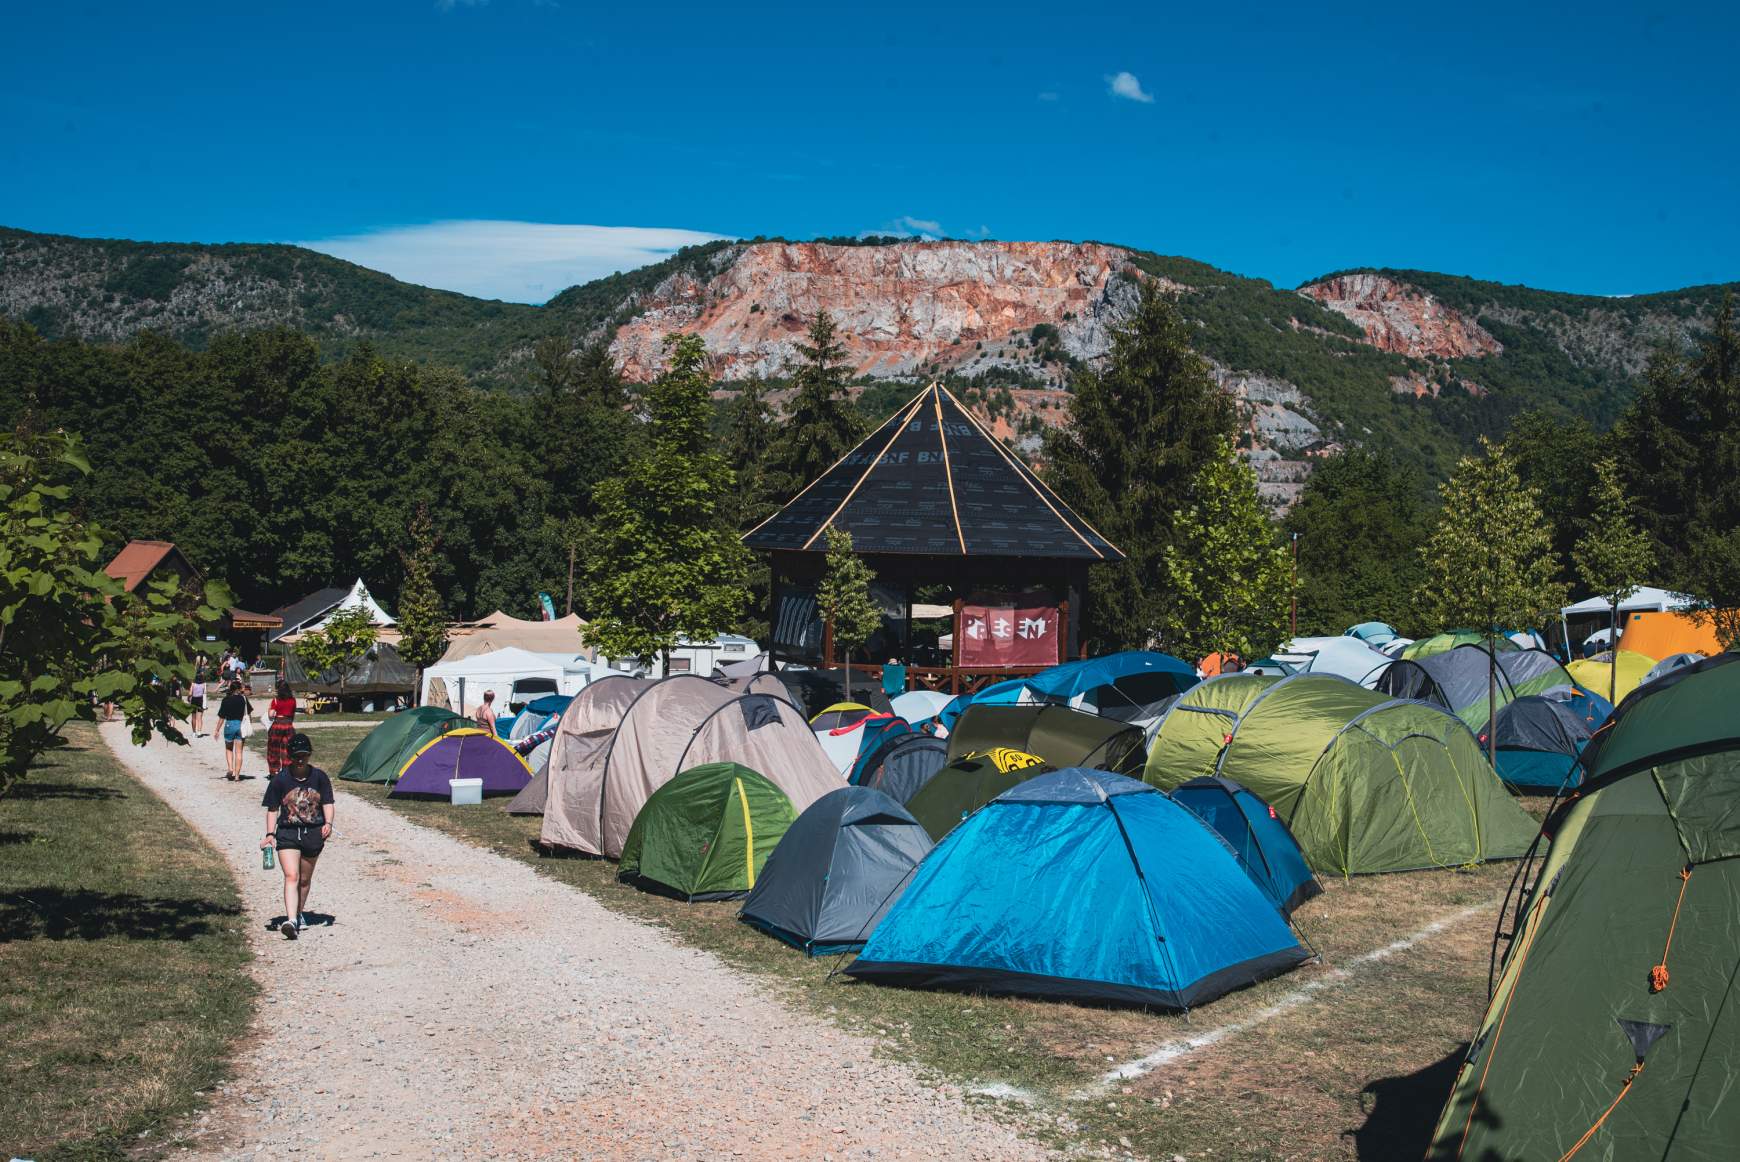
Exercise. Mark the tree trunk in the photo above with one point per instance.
(1492, 699)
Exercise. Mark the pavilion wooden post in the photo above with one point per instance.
(1063, 631)
(955, 652)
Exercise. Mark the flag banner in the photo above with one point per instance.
(994, 637)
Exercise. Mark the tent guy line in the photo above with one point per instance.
(1183, 1047)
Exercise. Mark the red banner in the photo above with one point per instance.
(995, 637)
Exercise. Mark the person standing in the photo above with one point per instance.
(299, 814)
(484, 716)
(196, 699)
(282, 714)
(232, 712)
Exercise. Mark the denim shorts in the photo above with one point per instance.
(232, 730)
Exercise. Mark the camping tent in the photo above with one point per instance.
(1057, 734)
(1462, 679)
(559, 638)
(599, 777)
(999, 906)
(706, 834)
(1664, 634)
(903, 764)
(1669, 664)
(965, 785)
(920, 706)
(1451, 638)
(1597, 673)
(501, 669)
(841, 714)
(584, 728)
(1343, 656)
(1366, 783)
(379, 671)
(1616, 1020)
(1123, 685)
(1265, 848)
(837, 871)
(1220, 662)
(462, 754)
(1195, 729)
(384, 750)
(1376, 634)
(1537, 742)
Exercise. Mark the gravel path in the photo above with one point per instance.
(462, 1006)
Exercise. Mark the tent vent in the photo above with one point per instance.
(1642, 1034)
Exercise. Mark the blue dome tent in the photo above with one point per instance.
(1085, 885)
(1122, 685)
(1264, 846)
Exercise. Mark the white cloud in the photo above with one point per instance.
(1126, 85)
(525, 262)
(1048, 95)
(450, 5)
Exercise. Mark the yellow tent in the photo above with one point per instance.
(1594, 676)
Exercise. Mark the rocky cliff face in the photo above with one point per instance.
(1401, 318)
(904, 310)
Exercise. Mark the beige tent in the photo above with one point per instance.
(584, 729)
(498, 631)
(599, 778)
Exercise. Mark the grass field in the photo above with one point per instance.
(122, 961)
(1358, 1069)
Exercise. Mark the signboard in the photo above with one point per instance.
(1000, 636)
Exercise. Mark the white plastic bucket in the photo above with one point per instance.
(464, 792)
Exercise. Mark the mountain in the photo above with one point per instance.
(1412, 361)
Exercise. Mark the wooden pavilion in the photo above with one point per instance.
(932, 499)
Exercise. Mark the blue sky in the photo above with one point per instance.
(501, 146)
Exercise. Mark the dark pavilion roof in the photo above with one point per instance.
(933, 481)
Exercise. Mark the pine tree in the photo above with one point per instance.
(1614, 556)
(821, 424)
(1360, 521)
(843, 598)
(1229, 575)
(749, 435)
(663, 562)
(422, 621)
(1139, 431)
(1489, 558)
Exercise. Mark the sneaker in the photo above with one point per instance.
(288, 928)
(301, 921)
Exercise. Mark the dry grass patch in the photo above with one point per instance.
(122, 957)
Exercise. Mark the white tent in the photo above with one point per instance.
(498, 670)
(1346, 656)
(1598, 611)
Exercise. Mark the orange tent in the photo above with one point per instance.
(1220, 663)
(1661, 635)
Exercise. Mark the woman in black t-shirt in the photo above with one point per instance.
(231, 711)
(299, 814)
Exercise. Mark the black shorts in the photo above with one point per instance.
(306, 840)
(197, 701)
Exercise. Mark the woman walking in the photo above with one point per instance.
(196, 699)
(299, 814)
(282, 713)
(232, 712)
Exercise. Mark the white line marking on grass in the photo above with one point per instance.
(1003, 1091)
(1184, 1046)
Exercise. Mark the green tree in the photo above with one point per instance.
(1140, 429)
(1489, 558)
(663, 562)
(1555, 455)
(1360, 521)
(70, 635)
(340, 644)
(1614, 557)
(821, 425)
(1230, 578)
(422, 620)
(844, 601)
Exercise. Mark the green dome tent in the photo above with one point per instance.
(1193, 731)
(1062, 736)
(389, 746)
(1615, 1026)
(1367, 784)
(706, 834)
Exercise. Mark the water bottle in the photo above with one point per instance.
(267, 858)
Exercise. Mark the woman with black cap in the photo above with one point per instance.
(299, 813)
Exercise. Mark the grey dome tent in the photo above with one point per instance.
(836, 871)
(903, 764)
(1669, 664)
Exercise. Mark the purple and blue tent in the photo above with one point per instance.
(462, 754)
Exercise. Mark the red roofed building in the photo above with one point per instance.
(140, 561)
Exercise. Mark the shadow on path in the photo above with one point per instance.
(58, 914)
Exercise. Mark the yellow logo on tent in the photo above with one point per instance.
(1007, 758)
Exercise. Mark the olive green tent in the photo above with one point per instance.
(1191, 734)
(389, 746)
(1451, 638)
(967, 784)
(1614, 1031)
(1367, 783)
(706, 834)
(1061, 736)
